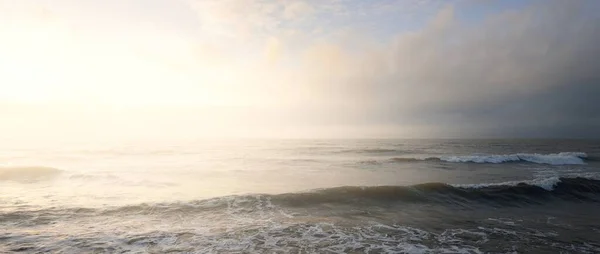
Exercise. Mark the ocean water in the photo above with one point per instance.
(301, 196)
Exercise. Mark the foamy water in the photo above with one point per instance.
(414, 196)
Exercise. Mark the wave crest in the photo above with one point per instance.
(564, 158)
(508, 194)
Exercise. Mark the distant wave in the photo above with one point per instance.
(370, 151)
(411, 159)
(564, 158)
(27, 173)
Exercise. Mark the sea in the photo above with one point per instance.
(301, 196)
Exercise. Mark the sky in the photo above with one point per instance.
(299, 68)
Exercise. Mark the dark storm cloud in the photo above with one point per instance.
(533, 72)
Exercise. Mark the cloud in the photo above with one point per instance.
(518, 53)
(531, 70)
(297, 9)
(527, 72)
(234, 18)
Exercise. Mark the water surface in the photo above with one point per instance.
(297, 196)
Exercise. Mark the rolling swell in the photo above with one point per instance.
(498, 194)
(508, 194)
(371, 151)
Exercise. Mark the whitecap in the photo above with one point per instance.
(563, 158)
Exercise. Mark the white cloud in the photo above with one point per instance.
(297, 10)
(235, 18)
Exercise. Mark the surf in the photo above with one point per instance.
(563, 158)
(504, 194)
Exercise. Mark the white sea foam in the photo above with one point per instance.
(545, 183)
(564, 158)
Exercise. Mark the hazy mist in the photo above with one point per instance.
(299, 69)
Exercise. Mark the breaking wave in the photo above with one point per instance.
(532, 192)
(564, 158)
(269, 223)
(506, 193)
